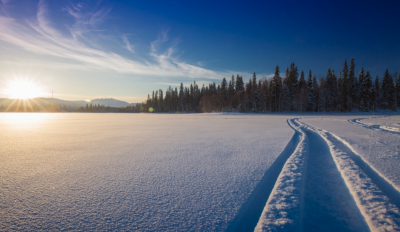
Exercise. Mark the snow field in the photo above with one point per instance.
(380, 212)
(135, 172)
(378, 148)
(310, 194)
(388, 123)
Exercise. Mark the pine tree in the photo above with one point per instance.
(388, 92)
(316, 95)
(322, 99)
(366, 91)
(377, 93)
(276, 89)
(360, 78)
(339, 92)
(264, 95)
(310, 93)
(293, 86)
(161, 100)
(303, 103)
(224, 93)
(353, 87)
(254, 92)
(331, 91)
(345, 96)
(285, 102)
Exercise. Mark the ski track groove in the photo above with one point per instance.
(250, 211)
(371, 202)
(375, 196)
(283, 210)
(358, 122)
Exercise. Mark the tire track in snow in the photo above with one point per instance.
(282, 212)
(328, 204)
(310, 194)
(375, 196)
(357, 121)
(250, 212)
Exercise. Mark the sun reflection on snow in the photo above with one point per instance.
(24, 119)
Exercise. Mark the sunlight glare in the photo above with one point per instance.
(22, 89)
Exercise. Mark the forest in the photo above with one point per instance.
(294, 92)
(33, 105)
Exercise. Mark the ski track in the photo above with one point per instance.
(326, 186)
(358, 121)
(250, 211)
(375, 196)
(283, 209)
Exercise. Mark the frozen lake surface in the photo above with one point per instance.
(199, 172)
(133, 171)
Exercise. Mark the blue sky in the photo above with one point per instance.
(125, 49)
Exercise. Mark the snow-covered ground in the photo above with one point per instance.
(195, 172)
(199, 172)
(379, 148)
(388, 123)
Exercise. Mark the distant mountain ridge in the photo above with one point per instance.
(105, 102)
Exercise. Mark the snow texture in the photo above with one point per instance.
(132, 172)
(380, 212)
(310, 193)
(283, 208)
(380, 149)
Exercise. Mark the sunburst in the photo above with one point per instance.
(22, 89)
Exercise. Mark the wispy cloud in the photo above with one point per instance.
(127, 44)
(40, 36)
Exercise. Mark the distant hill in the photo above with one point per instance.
(106, 102)
(110, 102)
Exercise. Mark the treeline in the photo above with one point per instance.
(295, 92)
(101, 109)
(30, 106)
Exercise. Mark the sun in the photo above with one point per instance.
(22, 89)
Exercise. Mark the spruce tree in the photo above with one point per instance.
(224, 92)
(388, 92)
(292, 83)
(303, 102)
(353, 87)
(285, 102)
(181, 98)
(276, 89)
(254, 92)
(366, 91)
(339, 92)
(316, 94)
(377, 93)
(322, 95)
(345, 96)
(310, 93)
